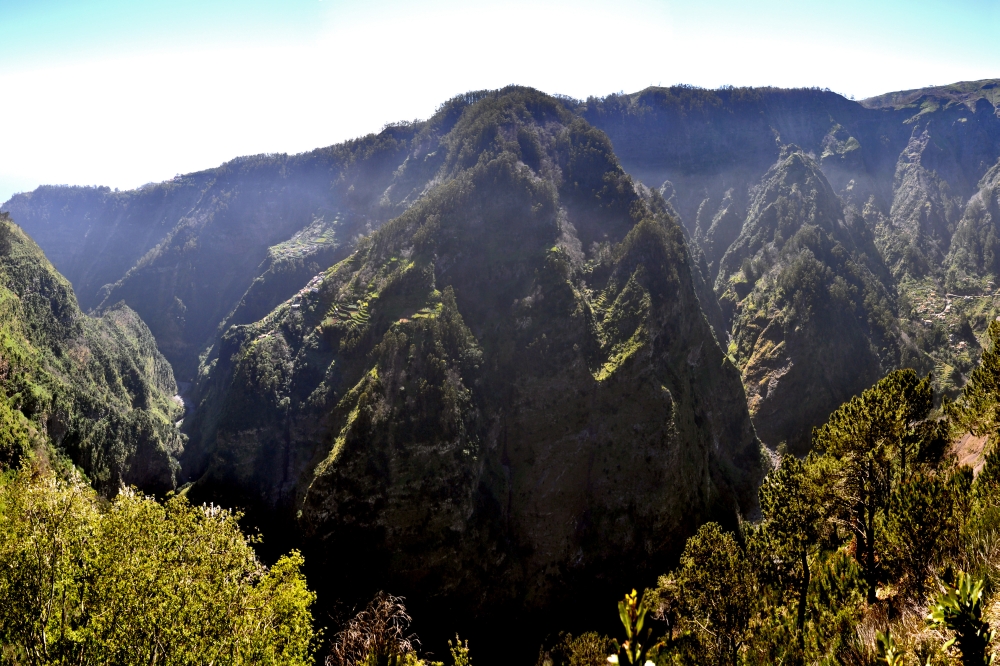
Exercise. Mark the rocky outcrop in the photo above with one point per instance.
(923, 214)
(975, 248)
(507, 390)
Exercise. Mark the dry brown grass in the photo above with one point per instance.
(376, 636)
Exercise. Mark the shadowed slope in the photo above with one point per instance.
(506, 394)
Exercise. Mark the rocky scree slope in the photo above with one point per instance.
(93, 387)
(506, 395)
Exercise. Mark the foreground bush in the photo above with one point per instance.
(139, 582)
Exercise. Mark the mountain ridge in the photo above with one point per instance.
(909, 174)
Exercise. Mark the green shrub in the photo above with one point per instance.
(135, 581)
(960, 609)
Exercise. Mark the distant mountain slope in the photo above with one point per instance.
(812, 305)
(963, 92)
(93, 235)
(709, 142)
(908, 163)
(96, 387)
(184, 253)
(975, 248)
(508, 388)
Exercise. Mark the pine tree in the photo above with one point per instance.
(920, 521)
(717, 589)
(978, 407)
(793, 512)
(874, 438)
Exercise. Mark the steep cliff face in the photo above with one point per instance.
(946, 302)
(813, 315)
(94, 387)
(93, 235)
(714, 146)
(923, 214)
(508, 388)
(975, 247)
(193, 279)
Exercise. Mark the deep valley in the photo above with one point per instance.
(519, 358)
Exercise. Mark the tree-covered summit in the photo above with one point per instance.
(503, 390)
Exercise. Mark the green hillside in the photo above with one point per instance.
(94, 386)
(800, 269)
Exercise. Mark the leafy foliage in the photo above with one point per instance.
(14, 436)
(632, 613)
(960, 609)
(793, 524)
(460, 654)
(714, 587)
(136, 581)
(888, 649)
(587, 649)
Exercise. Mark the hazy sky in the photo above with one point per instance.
(124, 92)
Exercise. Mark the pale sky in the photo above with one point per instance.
(122, 92)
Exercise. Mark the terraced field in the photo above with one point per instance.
(318, 234)
(950, 326)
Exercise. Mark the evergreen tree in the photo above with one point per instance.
(919, 527)
(874, 437)
(978, 407)
(717, 590)
(793, 513)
